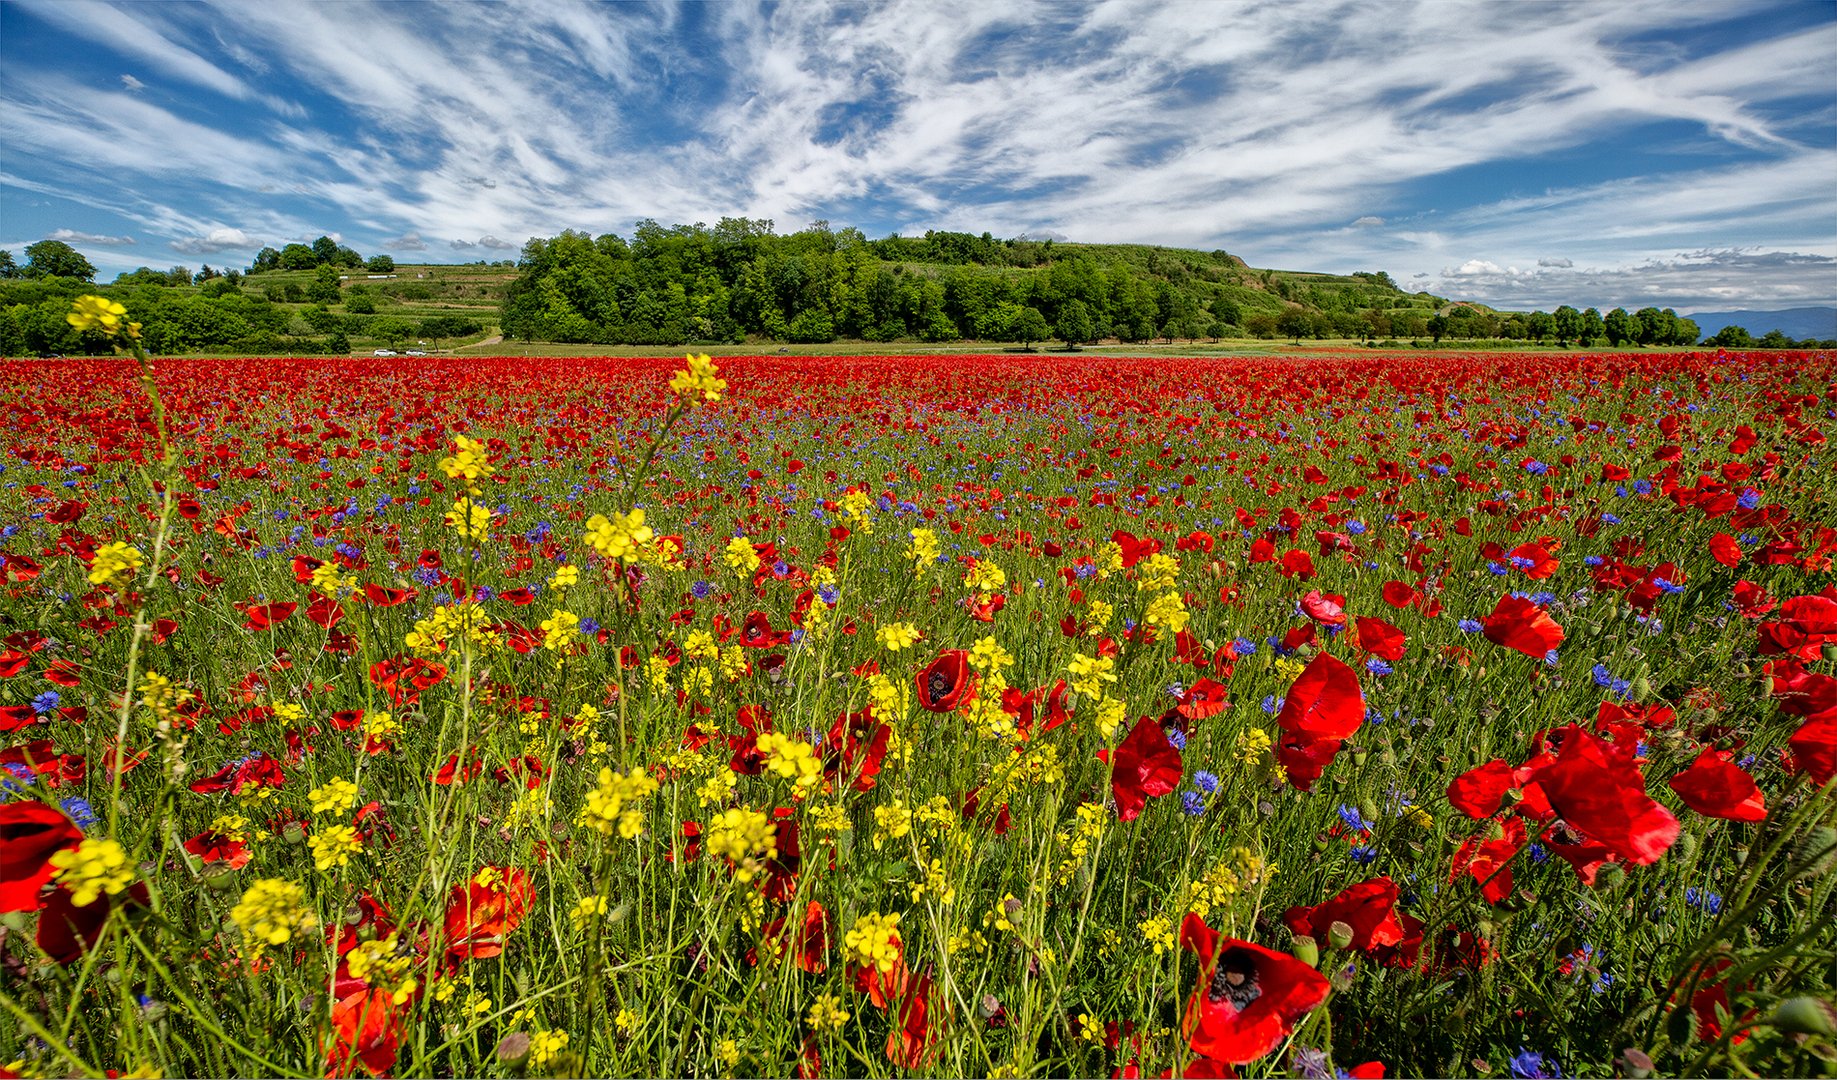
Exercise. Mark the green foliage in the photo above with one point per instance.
(54, 258)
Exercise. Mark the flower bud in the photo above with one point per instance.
(1804, 1015)
(1610, 876)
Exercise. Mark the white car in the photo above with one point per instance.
(414, 352)
(384, 352)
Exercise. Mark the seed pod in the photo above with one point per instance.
(1339, 935)
(513, 1049)
(1306, 950)
(1804, 1015)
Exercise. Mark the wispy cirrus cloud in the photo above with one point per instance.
(71, 236)
(1322, 135)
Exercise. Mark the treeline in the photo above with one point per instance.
(693, 284)
(219, 315)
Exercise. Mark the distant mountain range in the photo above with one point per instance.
(1796, 323)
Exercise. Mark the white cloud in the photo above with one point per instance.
(219, 239)
(408, 242)
(133, 85)
(1262, 129)
(71, 236)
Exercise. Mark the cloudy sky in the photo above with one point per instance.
(1605, 153)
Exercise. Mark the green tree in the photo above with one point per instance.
(360, 302)
(265, 260)
(1732, 337)
(298, 257)
(324, 287)
(325, 250)
(1438, 326)
(1593, 329)
(1074, 324)
(1540, 325)
(1568, 324)
(380, 264)
(8, 268)
(1619, 327)
(1029, 326)
(54, 258)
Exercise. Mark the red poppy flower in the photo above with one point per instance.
(386, 597)
(1399, 595)
(1145, 765)
(1479, 791)
(1325, 702)
(1304, 759)
(66, 932)
(30, 833)
(1203, 699)
(1716, 787)
(1381, 639)
(1521, 625)
(480, 916)
(1488, 861)
(1599, 791)
(1369, 908)
(1248, 998)
(946, 681)
(367, 1031)
(1814, 748)
(1725, 550)
(212, 846)
(1325, 610)
(264, 616)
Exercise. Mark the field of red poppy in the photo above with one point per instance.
(951, 715)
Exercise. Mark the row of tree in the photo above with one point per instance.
(218, 316)
(321, 252)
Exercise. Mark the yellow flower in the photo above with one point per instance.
(333, 845)
(469, 519)
(891, 822)
(1090, 673)
(791, 758)
(985, 577)
(874, 941)
(101, 314)
(564, 576)
(740, 556)
(468, 463)
(92, 868)
(924, 551)
(333, 797)
(626, 1020)
(606, 806)
(560, 630)
(1159, 932)
(546, 1046)
(621, 536)
(588, 908)
(988, 655)
(111, 560)
(897, 636)
(827, 1012)
(271, 911)
(702, 378)
(745, 837)
(385, 966)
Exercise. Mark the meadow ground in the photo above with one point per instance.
(1015, 714)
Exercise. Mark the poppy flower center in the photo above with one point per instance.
(1235, 980)
(938, 684)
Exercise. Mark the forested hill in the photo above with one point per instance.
(692, 283)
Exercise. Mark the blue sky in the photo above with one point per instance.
(1527, 155)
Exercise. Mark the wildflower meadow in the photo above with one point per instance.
(1016, 715)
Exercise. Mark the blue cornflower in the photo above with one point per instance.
(1530, 1065)
(1353, 819)
(829, 593)
(80, 812)
(1471, 626)
(427, 576)
(1177, 738)
(45, 702)
(1192, 804)
(1364, 856)
(589, 626)
(1244, 646)
(1703, 899)
(1749, 499)
(1593, 560)
(1536, 468)
(1272, 705)
(1356, 527)
(1377, 667)
(485, 593)
(701, 589)
(1539, 853)
(1205, 781)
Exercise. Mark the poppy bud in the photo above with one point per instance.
(1387, 757)
(513, 1049)
(1609, 876)
(1818, 845)
(1368, 809)
(1339, 935)
(1495, 830)
(1636, 1063)
(1804, 1015)
(1687, 846)
(1306, 950)
(1830, 651)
